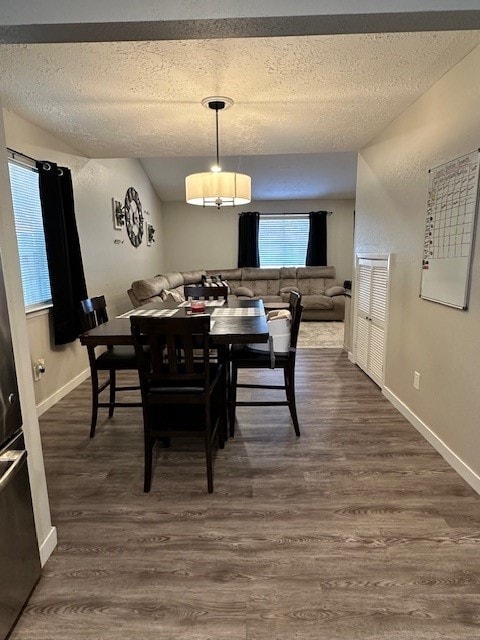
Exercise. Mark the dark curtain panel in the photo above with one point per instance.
(317, 239)
(248, 225)
(67, 280)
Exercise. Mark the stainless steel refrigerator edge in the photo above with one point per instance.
(19, 556)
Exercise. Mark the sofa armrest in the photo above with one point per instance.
(335, 290)
(133, 299)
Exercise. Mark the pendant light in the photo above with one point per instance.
(218, 188)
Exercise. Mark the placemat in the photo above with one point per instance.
(232, 313)
(208, 303)
(153, 313)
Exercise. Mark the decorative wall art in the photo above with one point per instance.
(150, 232)
(134, 217)
(118, 214)
(131, 216)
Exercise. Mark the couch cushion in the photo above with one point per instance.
(193, 277)
(227, 274)
(173, 294)
(316, 272)
(288, 273)
(335, 291)
(244, 292)
(266, 273)
(263, 282)
(271, 298)
(263, 287)
(317, 302)
(175, 279)
(145, 289)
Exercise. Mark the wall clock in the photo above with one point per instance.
(133, 217)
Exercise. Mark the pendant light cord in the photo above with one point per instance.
(216, 129)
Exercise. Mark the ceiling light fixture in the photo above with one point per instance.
(218, 188)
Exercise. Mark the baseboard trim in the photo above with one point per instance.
(351, 357)
(48, 545)
(60, 393)
(461, 467)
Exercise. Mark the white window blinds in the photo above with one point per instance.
(282, 240)
(30, 236)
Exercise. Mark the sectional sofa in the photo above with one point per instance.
(322, 297)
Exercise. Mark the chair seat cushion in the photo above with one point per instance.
(120, 357)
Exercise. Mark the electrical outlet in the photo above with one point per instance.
(416, 380)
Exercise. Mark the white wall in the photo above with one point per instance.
(441, 343)
(208, 239)
(109, 268)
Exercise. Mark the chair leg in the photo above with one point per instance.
(232, 399)
(94, 380)
(208, 447)
(149, 443)
(208, 453)
(113, 386)
(289, 376)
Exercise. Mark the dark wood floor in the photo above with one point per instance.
(357, 530)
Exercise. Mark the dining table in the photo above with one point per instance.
(233, 321)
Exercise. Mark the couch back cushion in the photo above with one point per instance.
(175, 279)
(288, 277)
(233, 277)
(193, 277)
(146, 289)
(263, 282)
(316, 272)
(314, 280)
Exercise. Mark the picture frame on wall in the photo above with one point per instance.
(149, 233)
(118, 214)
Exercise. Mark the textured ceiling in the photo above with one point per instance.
(293, 95)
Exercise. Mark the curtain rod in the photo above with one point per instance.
(28, 161)
(16, 155)
(297, 213)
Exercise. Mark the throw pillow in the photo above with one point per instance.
(244, 291)
(175, 295)
(215, 281)
(335, 291)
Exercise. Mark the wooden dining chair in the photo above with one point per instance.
(181, 395)
(115, 358)
(242, 357)
(212, 292)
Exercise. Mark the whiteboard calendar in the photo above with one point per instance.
(452, 205)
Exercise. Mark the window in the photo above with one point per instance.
(282, 240)
(30, 237)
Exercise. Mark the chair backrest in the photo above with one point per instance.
(296, 309)
(94, 312)
(170, 360)
(197, 291)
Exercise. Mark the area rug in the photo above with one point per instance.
(320, 335)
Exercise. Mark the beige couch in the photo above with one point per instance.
(322, 297)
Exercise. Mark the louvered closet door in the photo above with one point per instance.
(372, 285)
(364, 277)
